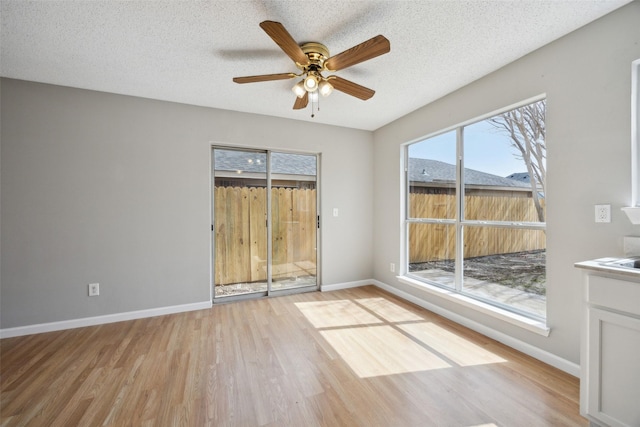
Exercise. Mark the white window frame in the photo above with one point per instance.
(457, 294)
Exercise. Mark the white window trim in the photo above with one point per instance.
(512, 318)
(633, 211)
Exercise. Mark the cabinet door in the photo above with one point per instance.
(614, 368)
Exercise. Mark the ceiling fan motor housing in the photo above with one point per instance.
(317, 54)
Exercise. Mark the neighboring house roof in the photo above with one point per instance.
(420, 170)
(434, 171)
(255, 162)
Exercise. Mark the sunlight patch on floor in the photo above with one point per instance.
(375, 336)
(381, 350)
(333, 314)
(452, 346)
(388, 311)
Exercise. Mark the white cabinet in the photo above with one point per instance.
(610, 356)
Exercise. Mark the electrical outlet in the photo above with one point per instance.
(603, 213)
(94, 289)
(392, 267)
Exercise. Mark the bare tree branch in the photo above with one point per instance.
(525, 126)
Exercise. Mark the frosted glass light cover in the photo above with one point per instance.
(299, 89)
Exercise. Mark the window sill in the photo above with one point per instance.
(529, 324)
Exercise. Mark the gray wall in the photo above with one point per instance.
(105, 188)
(587, 78)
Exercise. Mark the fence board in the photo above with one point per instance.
(304, 208)
(238, 220)
(221, 240)
(258, 233)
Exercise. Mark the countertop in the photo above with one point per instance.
(598, 266)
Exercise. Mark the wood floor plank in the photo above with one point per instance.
(356, 357)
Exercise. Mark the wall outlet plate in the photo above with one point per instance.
(603, 213)
(94, 289)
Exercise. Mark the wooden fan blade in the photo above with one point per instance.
(301, 102)
(373, 47)
(351, 88)
(281, 36)
(264, 78)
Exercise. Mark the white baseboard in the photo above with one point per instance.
(100, 320)
(533, 351)
(346, 285)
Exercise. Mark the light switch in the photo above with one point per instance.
(335, 211)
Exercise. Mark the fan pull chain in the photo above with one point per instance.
(317, 102)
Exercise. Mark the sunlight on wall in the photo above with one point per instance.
(375, 337)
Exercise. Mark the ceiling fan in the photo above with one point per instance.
(313, 59)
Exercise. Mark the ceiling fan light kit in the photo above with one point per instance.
(311, 82)
(325, 88)
(313, 59)
(299, 89)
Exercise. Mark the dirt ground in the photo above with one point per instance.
(522, 270)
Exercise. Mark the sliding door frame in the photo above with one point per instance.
(269, 291)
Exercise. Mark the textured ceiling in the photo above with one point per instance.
(188, 51)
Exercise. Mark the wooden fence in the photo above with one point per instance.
(241, 231)
(431, 242)
(240, 223)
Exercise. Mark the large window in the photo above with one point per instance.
(476, 208)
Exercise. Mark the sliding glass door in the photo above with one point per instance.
(265, 222)
(239, 222)
(294, 220)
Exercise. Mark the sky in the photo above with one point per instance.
(486, 150)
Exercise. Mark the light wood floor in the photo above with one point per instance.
(357, 357)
